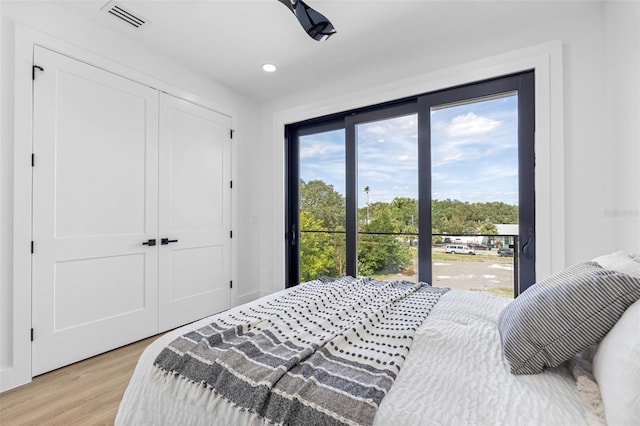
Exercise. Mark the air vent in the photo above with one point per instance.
(117, 10)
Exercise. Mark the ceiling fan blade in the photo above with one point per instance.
(314, 23)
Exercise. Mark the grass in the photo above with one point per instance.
(448, 257)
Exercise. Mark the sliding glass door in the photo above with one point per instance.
(385, 195)
(436, 188)
(316, 223)
(480, 200)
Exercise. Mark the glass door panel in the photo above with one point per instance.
(474, 191)
(387, 198)
(383, 191)
(322, 205)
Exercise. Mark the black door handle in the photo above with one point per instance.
(149, 243)
(527, 248)
(294, 235)
(166, 241)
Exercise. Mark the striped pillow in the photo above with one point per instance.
(561, 315)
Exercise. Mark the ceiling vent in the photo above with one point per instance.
(120, 12)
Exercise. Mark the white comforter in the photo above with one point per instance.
(455, 375)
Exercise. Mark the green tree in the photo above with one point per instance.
(380, 254)
(457, 218)
(488, 228)
(322, 208)
(316, 249)
(405, 215)
(323, 202)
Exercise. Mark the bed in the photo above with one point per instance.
(456, 371)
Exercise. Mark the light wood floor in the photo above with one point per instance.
(85, 393)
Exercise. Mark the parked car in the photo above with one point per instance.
(505, 252)
(459, 249)
(477, 246)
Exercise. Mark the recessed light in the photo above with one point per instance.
(269, 67)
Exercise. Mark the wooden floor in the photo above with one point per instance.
(85, 393)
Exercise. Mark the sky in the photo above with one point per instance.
(473, 155)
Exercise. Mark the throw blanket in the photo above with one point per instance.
(323, 353)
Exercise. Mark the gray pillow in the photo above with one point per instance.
(561, 315)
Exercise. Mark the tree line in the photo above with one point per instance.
(322, 215)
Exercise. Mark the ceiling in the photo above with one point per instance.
(229, 40)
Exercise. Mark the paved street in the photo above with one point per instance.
(494, 276)
(485, 272)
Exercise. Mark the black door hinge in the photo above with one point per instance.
(33, 160)
(230, 284)
(230, 234)
(231, 133)
(32, 334)
(32, 246)
(33, 71)
(230, 184)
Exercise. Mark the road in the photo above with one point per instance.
(485, 272)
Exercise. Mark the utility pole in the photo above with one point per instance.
(366, 189)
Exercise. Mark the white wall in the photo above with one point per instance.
(598, 170)
(51, 24)
(622, 107)
(6, 191)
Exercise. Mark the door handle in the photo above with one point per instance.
(166, 241)
(527, 249)
(294, 235)
(149, 243)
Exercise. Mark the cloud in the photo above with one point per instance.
(313, 150)
(473, 153)
(468, 125)
(392, 130)
(377, 129)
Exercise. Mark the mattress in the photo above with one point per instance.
(455, 374)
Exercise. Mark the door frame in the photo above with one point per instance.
(420, 105)
(545, 59)
(19, 371)
(395, 109)
(523, 83)
(292, 248)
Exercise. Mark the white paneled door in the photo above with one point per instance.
(131, 211)
(95, 201)
(195, 149)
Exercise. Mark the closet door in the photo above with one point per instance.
(95, 201)
(194, 273)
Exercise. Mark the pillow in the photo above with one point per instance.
(621, 261)
(616, 367)
(563, 314)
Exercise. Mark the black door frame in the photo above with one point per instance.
(292, 189)
(522, 82)
(351, 122)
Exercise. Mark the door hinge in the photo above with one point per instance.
(32, 334)
(231, 133)
(33, 160)
(230, 284)
(230, 234)
(32, 247)
(230, 184)
(33, 71)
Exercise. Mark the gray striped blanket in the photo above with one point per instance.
(323, 353)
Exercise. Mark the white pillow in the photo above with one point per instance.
(621, 261)
(616, 367)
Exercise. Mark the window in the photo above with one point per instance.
(381, 191)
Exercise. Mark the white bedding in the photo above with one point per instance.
(455, 374)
